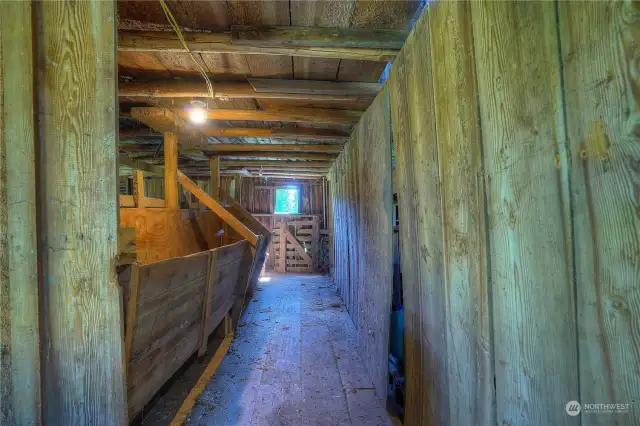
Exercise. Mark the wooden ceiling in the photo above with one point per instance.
(284, 72)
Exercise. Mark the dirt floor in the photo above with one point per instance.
(293, 362)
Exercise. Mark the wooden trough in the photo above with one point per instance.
(181, 286)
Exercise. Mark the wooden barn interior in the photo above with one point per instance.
(299, 212)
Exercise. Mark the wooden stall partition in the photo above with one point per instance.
(528, 211)
(363, 235)
(419, 203)
(468, 327)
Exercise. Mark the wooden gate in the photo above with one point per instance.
(295, 245)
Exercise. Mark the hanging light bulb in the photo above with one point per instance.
(197, 112)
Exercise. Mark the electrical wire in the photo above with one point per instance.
(176, 28)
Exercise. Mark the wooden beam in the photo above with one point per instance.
(318, 91)
(253, 35)
(20, 367)
(125, 160)
(138, 188)
(288, 133)
(214, 165)
(82, 342)
(280, 169)
(305, 87)
(217, 208)
(295, 115)
(292, 175)
(277, 163)
(166, 120)
(200, 42)
(255, 147)
(170, 170)
(281, 155)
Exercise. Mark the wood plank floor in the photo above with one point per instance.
(293, 362)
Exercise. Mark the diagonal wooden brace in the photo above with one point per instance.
(218, 209)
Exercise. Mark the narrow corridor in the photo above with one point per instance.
(293, 362)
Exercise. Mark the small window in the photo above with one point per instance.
(287, 200)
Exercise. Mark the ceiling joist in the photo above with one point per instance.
(293, 115)
(319, 91)
(227, 148)
(277, 155)
(319, 37)
(275, 163)
(288, 133)
(331, 46)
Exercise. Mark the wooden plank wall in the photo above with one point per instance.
(600, 51)
(361, 195)
(516, 138)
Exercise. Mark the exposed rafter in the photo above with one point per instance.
(319, 37)
(275, 163)
(289, 133)
(256, 88)
(278, 155)
(334, 46)
(227, 149)
(294, 115)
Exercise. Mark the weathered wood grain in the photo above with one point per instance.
(363, 269)
(20, 380)
(317, 36)
(531, 267)
(468, 326)
(82, 314)
(601, 55)
(207, 43)
(375, 250)
(421, 240)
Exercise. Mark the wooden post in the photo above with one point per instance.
(214, 164)
(282, 259)
(170, 170)
(81, 316)
(20, 379)
(138, 188)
